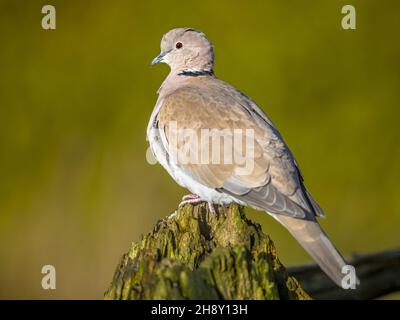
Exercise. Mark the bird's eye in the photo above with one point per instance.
(179, 45)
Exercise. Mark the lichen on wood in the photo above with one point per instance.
(196, 254)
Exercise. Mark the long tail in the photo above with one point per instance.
(315, 241)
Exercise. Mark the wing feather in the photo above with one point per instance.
(274, 182)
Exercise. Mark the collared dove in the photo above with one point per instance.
(191, 98)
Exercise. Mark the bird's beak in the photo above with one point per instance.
(159, 58)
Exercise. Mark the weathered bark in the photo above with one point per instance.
(379, 274)
(195, 254)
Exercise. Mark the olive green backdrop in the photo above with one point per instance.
(75, 187)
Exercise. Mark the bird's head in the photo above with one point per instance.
(186, 49)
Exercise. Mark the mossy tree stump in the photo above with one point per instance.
(196, 254)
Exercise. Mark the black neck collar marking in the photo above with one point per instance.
(196, 73)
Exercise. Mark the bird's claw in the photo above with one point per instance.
(194, 199)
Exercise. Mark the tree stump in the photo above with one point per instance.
(196, 254)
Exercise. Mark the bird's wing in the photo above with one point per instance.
(273, 182)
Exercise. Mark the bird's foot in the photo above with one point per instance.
(190, 198)
(194, 199)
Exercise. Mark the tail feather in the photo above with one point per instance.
(315, 241)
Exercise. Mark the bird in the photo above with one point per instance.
(192, 100)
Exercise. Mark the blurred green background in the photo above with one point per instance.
(75, 187)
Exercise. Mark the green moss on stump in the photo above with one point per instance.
(195, 254)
